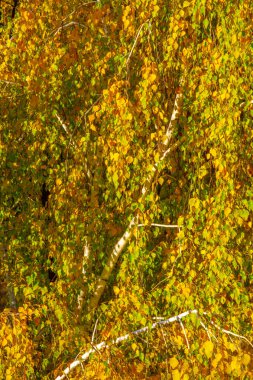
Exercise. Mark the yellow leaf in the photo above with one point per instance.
(96, 108)
(186, 4)
(194, 202)
(91, 118)
(126, 22)
(173, 362)
(227, 211)
(152, 78)
(115, 156)
(176, 374)
(202, 172)
(246, 359)
(115, 179)
(129, 159)
(234, 39)
(208, 348)
(213, 152)
(216, 360)
(58, 182)
(157, 158)
(232, 346)
(192, 273)
(4, 342)
(186, 291)
(116, 290)
(160, 180)
(134, 346)
(23, 27)
(139, 367)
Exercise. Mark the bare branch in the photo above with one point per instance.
(11, 82)
(72, 142)
(135, 41)
(228, 332)
(94, 332)
(177, 318)
(209, 333)
(120, 339)
(159, 225)
(64, 126)
(64, 26)
(182, 325)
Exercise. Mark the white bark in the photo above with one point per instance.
(120, 339)
(159, 225)
(85, 264)
(118, 248)
(100, 346)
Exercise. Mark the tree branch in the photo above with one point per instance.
(85, 265)
(100, 346)
(120, 339)
(120, 245)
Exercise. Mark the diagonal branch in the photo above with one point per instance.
(73, 144)
(120, 245)
(120, 339)
(123, 338)
(135, 41)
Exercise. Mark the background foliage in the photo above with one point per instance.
(87, 94)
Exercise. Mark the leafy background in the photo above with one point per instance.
(87, 95)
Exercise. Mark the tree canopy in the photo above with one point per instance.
(127, 189)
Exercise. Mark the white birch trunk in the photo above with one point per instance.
(120, 245)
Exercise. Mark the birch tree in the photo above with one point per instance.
(126, 195)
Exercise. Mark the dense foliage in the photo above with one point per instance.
(116, 116)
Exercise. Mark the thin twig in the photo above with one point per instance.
(79, 6)
(158, 225)
(135, 41)
(66, 26)
(182, 325)
(94, 331)
(231, 333)
(166, 346)
(209, 333)
(72, 23)
(64, 126)
(11, 82)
